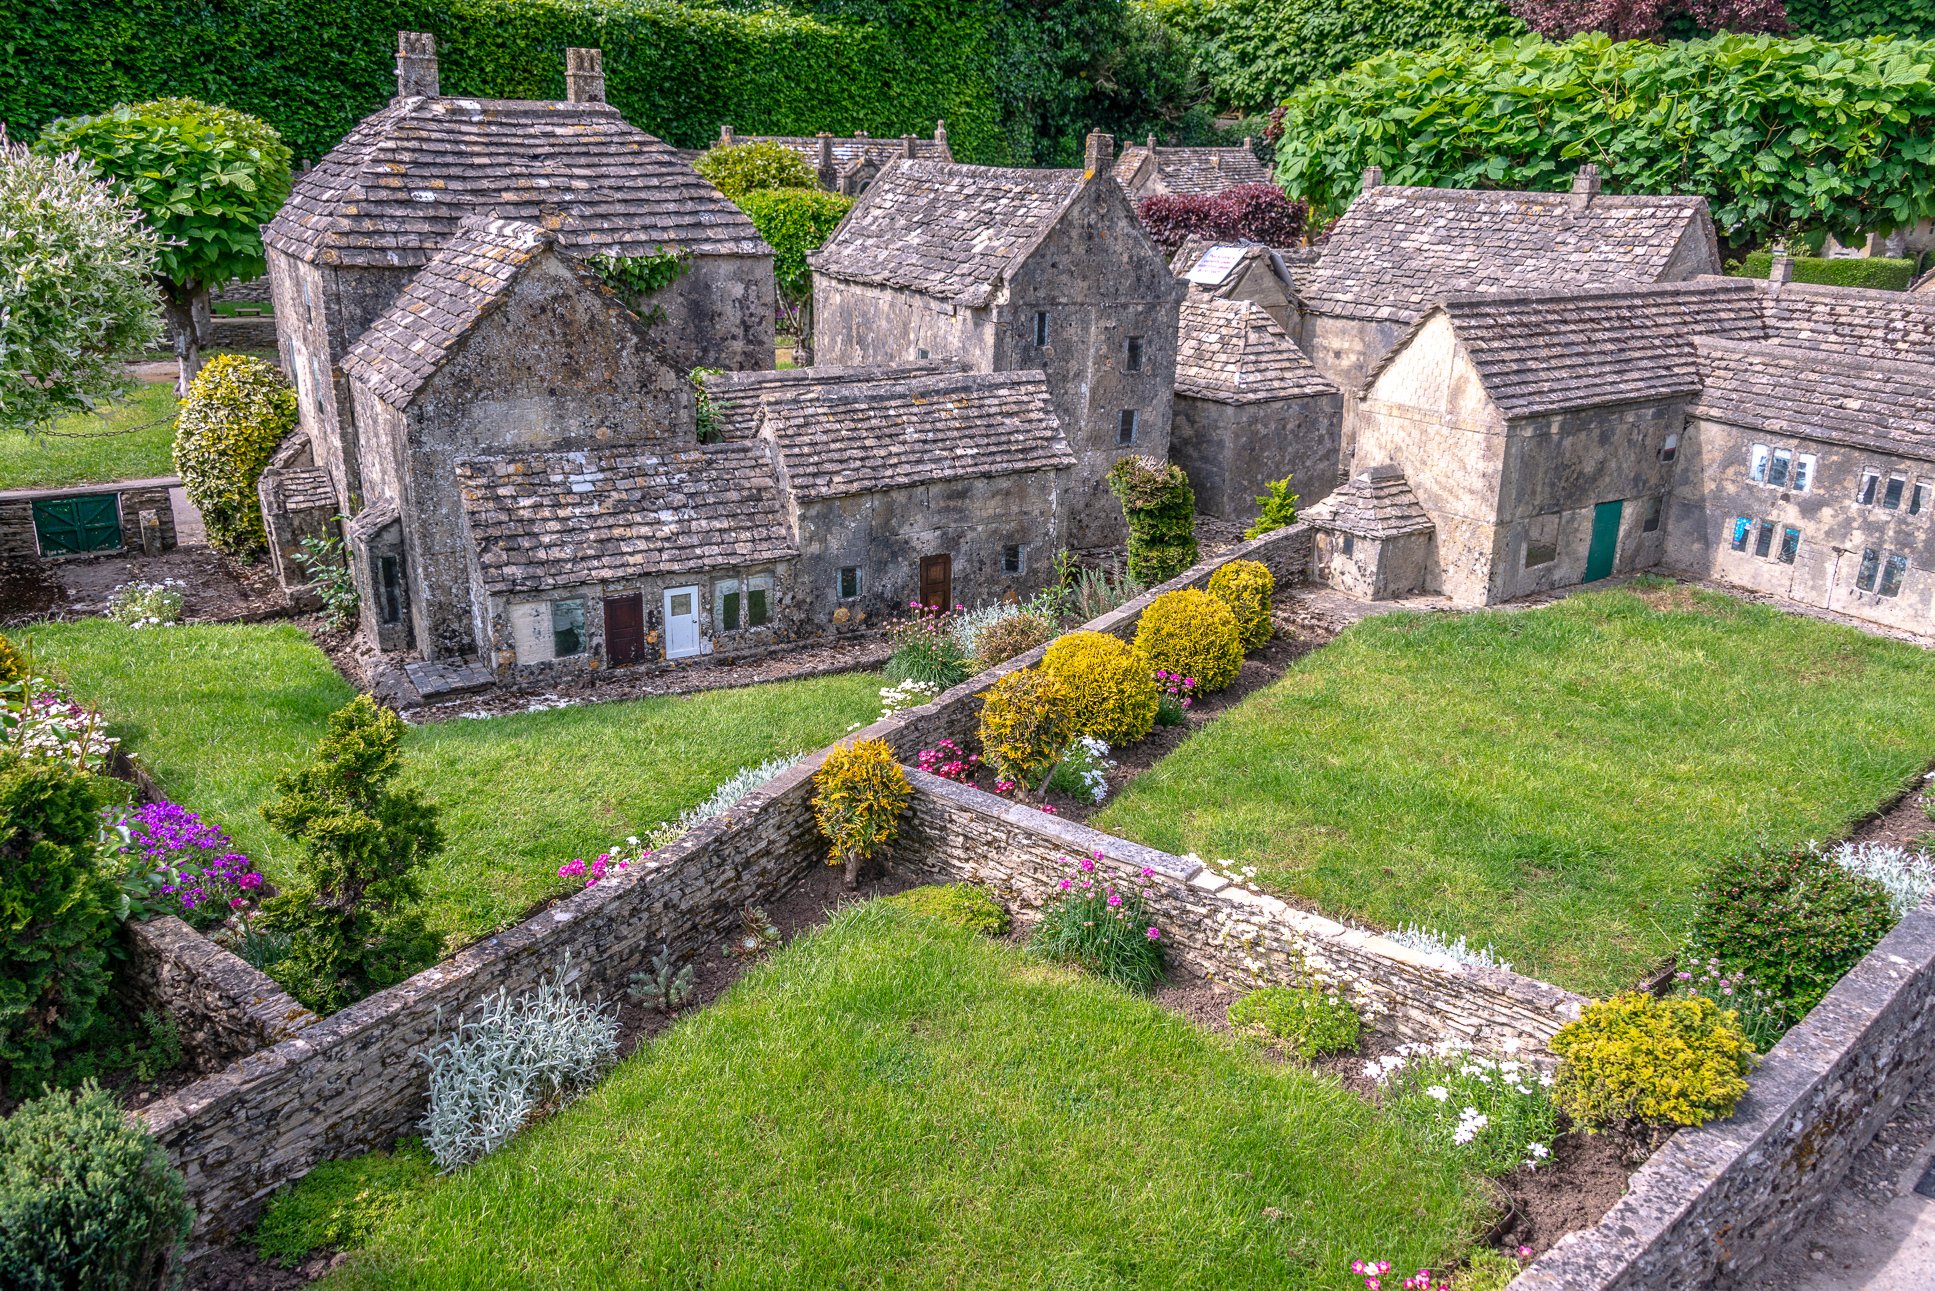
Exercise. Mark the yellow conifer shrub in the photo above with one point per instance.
(1245, 586)
(859, 793)
(1662, 1062)
(1112, 693)
(1027, 721)
(1191, 634)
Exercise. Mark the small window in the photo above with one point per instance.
(1790, 544)
(1803, 473)
(921, 353)
(1891, 575)
(726, 604)
(1654, 506)
(1132, 355)
(1125, 427)
(1864, 578)
(1013, 558)
(389, 581)
(1869, 480)
(1763, 537)
(1778, 468)
(1671, 448)
(567, 628)
(1891, 496)
(1742, 526)
(1758, 471)
(1350, 545)
(1041, 327)
(759, 600)
(849, 582)
(1918, 498)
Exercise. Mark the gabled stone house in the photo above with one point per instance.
(1246, 271)
(1371, 538)
(1250, 408)
(1146, 170)
(1015, 270)
(849, 163)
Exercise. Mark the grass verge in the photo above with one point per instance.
(130, 440)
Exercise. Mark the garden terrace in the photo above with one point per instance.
(890, 1094)
(1551, 781)
(216, 712)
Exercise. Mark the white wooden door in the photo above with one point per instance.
(681, 622)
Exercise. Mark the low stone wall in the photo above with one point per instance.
(1225, 929)
(19, 541)
(222, 1007)
(1716, 1202)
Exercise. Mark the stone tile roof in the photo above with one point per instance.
(307, 488)
(841, 439)
(1852, 320)
(1231, 351)
(545, 520)
(850, 152)
(1397, 250)
(736, 396)
(397, 186)
(1283, 262)
(1877, 404)
(946, 230)
(1377, 503)
(375, 517)
(1545, 353)
(441, 304)
(1192, 170)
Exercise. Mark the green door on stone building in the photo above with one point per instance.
(91, 522)
(1605, 540)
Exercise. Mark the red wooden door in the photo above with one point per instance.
(937, 581)
(625, 629)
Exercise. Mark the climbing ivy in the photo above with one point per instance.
(641, 275)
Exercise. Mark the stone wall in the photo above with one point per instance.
(1716, 1202)
(18, 541)
(1231, 451)
(223, 1007)
(1222, 926)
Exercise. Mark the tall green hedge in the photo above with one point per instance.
(1877, 272)
(1859, 19)
(1780, 136)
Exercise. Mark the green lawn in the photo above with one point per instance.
(1551, 780)
(131, 440)
(894, 1103)
(217, 711)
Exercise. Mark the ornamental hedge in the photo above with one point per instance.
(1881, 273)
(1780, 136)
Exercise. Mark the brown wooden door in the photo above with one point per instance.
(625, 629)
(937, 581)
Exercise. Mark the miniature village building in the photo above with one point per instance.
(1246, 271)
(1015, 270)
(849, 163)
(1146, 170)
(1250, 409)
(1370, 538)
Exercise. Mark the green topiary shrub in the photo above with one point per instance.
(1027, 720)
(1193, 635)
(338, 1205)
(859, 793)
(964, 905)
(1245, 586)
(1160, 508)
(87, 1200)
(1305, 1019)
(236, 413)
(1878, 273)
(1660, 1062)
(57, 903)
(352, 916)
(1111, 692)
(1794, 923)
(1276, 509)
(737, 169)
(1005, 638)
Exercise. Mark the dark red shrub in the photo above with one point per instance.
(1246, 213)
(1646, 19)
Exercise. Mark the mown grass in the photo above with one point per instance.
(1552, 781)
(891, 1102)
(217, 711)
(129, 440)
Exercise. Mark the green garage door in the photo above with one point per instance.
(1605, 541)
(91, 522)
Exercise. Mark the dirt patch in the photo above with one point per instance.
(27, 591)
(1587, 1174)
(215, 588)
(1904, 821)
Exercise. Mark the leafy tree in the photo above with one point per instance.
(1780, 136)
(352, 914)
(1647, 19)
(207, 177)
(739, 168)
(238, 410)
(795, 221)
(78, 264)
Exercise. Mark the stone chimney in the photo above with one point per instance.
(1781, 272)
(940, 132)
(1373, 178)
(1585, 186)
(1249, 143)
(1099, 154)
(416, 65)
(826, 151)
(584, 76)
(725, 136)
(1152, 143)
(907, 145)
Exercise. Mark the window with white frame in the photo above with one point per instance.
(759, 600)
(1892, 494)
(1757, 463)
(1888, 568)
(728, 605)
(1918, 497)
(1670, 448)
(1803, 479)
(1779, 466)
(1870, 481)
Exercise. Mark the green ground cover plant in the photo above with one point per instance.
(918, 1101)
(128, 440)
(217, 711)
(1555, 782)
(339, 1202)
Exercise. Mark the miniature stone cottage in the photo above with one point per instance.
(1370, 538)
(1146, 170)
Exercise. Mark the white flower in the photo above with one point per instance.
(1438, 1092)
(1537, 1151)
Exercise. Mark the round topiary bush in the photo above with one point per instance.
(1191, 634)
(1245, 586)
(961, 904)
(1027, 720)
(736, 169)
(236, 413)
(1661, 1062)
(1003, 639)
(1111, 692)
(86, 1199)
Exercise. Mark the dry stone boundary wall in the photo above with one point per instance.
(222, 1007)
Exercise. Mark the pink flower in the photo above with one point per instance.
(1050, 810)
(1524, 1252)
(1155, 934)
(1115, 898)
(1148, 873)
(1086, 865)
(1066, 884)
(571, 869)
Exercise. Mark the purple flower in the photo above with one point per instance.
(1085, 864)
(1155, 934)
(1115, 898)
